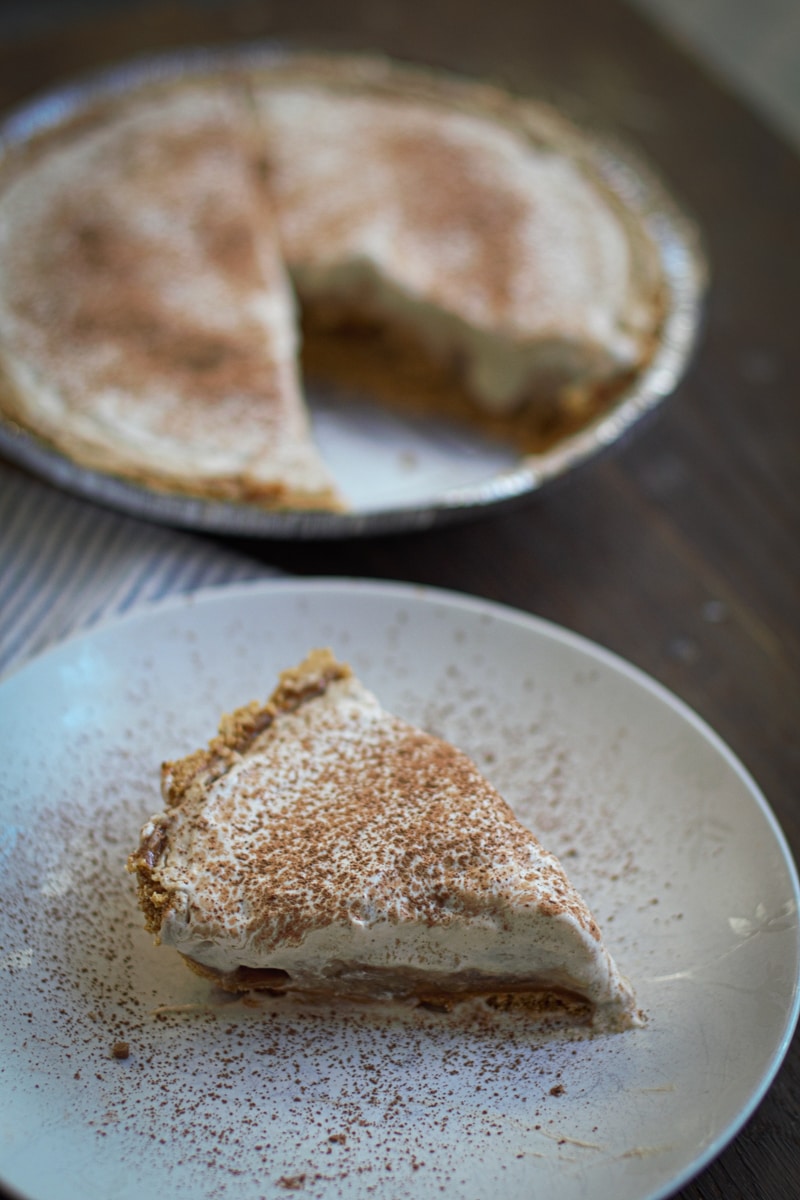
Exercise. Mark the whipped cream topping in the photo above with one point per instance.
(486, 240)
(147, 324)
(358, 854)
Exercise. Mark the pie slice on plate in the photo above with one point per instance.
(147, 327)
(322, 845)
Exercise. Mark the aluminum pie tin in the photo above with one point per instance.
(405, 472)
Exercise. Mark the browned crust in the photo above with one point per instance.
(153, 903)
(239, 729)
(237, 732)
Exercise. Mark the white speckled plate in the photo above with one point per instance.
(660, 827)
(397, 471)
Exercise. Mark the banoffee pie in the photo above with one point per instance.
(321, 845)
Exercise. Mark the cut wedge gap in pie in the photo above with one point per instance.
(322, 845)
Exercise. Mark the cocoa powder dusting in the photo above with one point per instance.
(466, 205)
(146, 298)
(111, 277)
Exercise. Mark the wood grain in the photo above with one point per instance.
(678, 548)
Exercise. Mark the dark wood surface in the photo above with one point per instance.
(680, 548)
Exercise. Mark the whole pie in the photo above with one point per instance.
(320, 844)
(160, 251)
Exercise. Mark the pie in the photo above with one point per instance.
(154, 248)
(321, 845)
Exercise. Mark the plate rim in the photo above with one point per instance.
(627, 172)
(538, 626)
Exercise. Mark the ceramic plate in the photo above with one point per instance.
(397, 472)
(658, 824)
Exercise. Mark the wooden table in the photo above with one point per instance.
(678, 548)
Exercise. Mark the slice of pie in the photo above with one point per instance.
(147, 326)
(322, 845)
(474, 227)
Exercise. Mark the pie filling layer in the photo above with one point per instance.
(354, 982)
